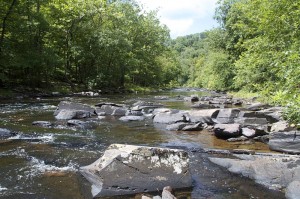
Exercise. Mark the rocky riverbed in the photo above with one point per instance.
(212, 128)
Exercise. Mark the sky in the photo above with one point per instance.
(184, 17)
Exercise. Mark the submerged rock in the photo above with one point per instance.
(128, 169)
(42, 123)
(177, 126)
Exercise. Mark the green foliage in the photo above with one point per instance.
(95, 43)
(255, 50)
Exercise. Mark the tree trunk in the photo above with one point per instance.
(4, 23)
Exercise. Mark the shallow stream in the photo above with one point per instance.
(43, 162)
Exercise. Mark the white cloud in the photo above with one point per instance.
(183, 17)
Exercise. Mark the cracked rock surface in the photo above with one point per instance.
(129, 169)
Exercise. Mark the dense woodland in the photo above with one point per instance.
(94, 44)
(90, 43)
(256, 49)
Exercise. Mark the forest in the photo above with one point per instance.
(94, 44)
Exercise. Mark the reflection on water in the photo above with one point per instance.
(43, 162)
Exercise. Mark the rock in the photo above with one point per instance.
(145, 105)
(280, 126)
(4, 133)
(293, 190)
(257, 106)
(176, 126)
(193, 127)
(72, 114)
(227, 116)
(238, 139)
(257, 114)
(251, 121)
(146, 197)
(42, 123)
(148, 168)
(134, 112)
(73, 106)
(227, 130)
(193, 98)
(203, 116)
(263, 139)
(248, 132)
(288, 142)
(109, 109)
(169, 118)
(271, 170)
(156, 197)
(202, 105)
(166, 194)
(131, 118)
(77, 123)
(108, 103)
(161, 110)
(119, 112)
(161, 97)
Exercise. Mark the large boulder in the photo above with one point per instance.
(72, 114)
(227, 116)
(74, 106)
(227, 130)
(288, 142)
(169, 118)
(203, 116)
(110, 109)
(271, 170)
(128, 169)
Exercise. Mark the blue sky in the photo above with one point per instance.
(184, 17)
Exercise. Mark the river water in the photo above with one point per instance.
(43, 162)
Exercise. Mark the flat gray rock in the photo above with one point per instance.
(288, 142)
(169, 118)
(227, 116)
(128, 169)
(271, 170)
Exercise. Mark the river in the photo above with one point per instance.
(43, 162)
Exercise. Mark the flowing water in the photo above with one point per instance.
(43, 162)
